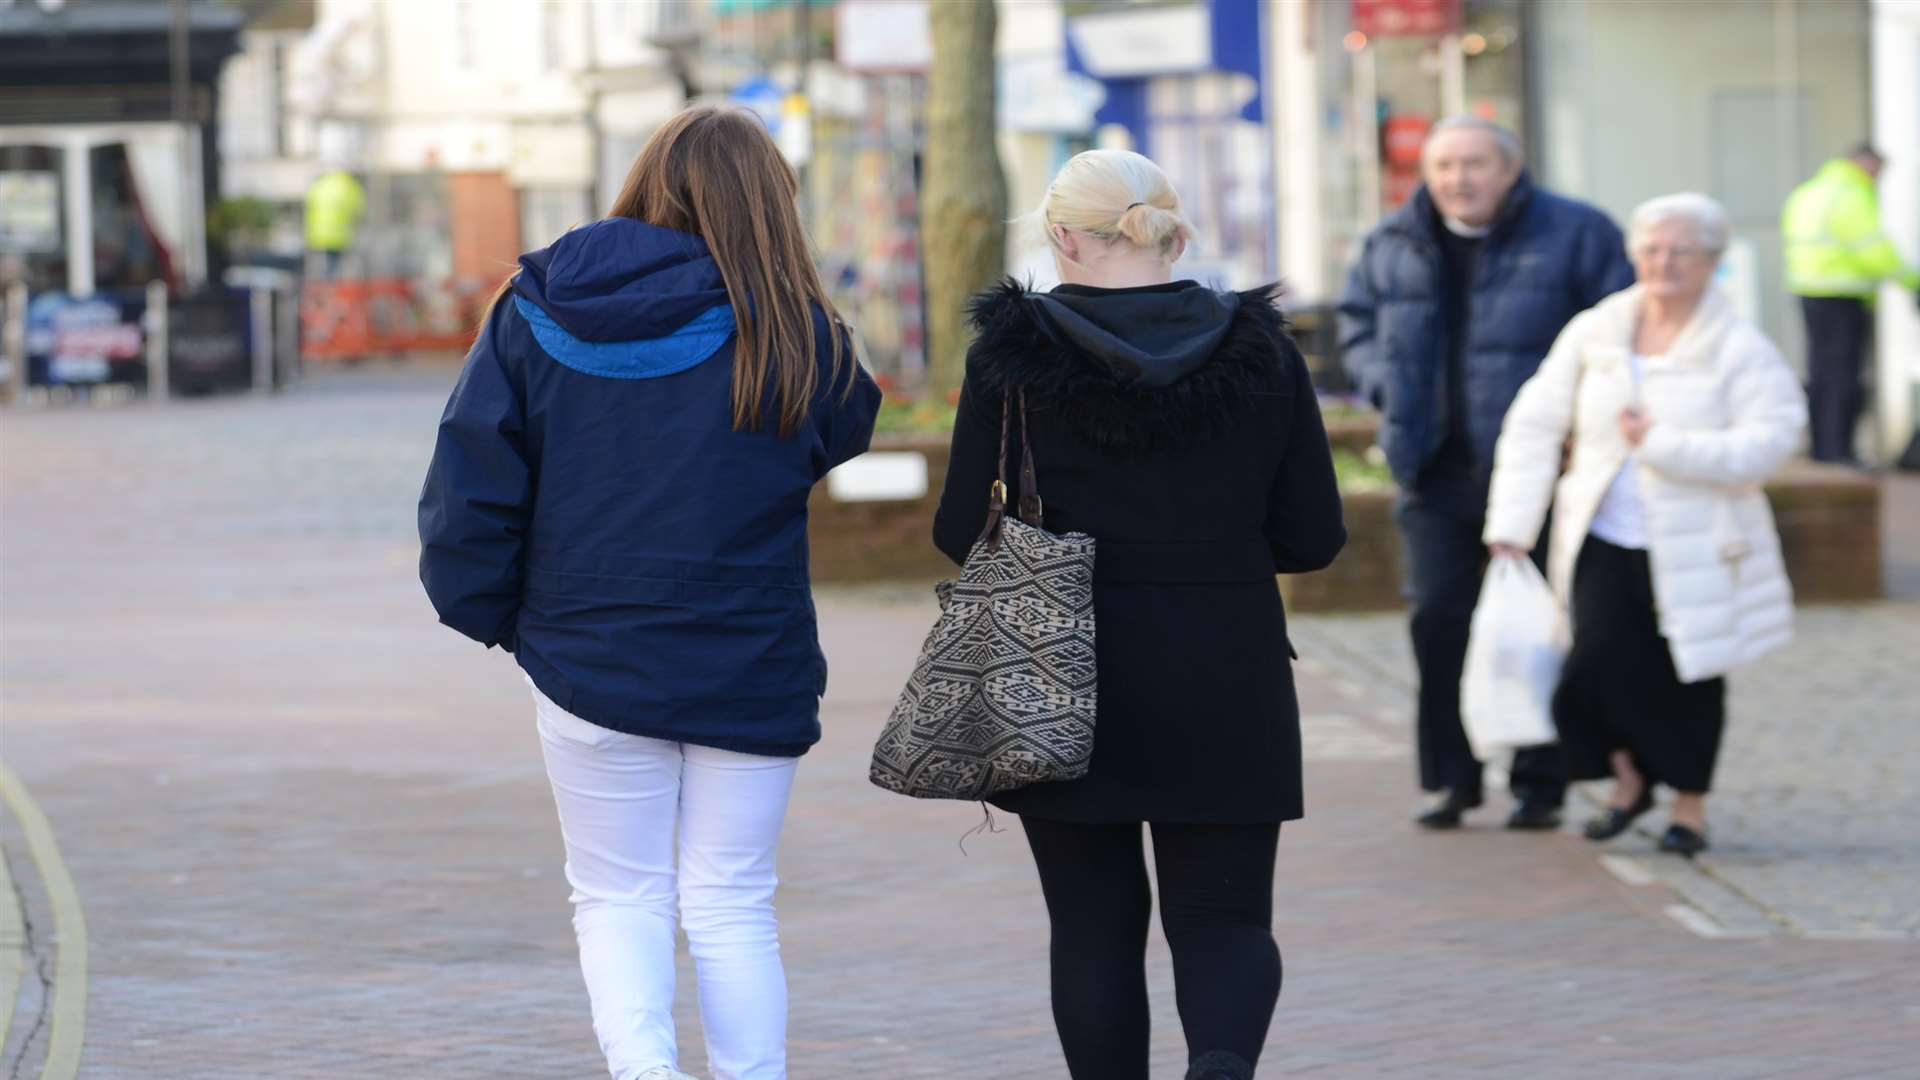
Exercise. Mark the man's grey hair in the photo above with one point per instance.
(1708, 218)
(1507, 141)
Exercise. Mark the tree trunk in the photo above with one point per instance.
(963, 202)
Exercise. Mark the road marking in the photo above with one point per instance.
(1627, 870)
(13, 943)
(1695, 920)
(69, 1006)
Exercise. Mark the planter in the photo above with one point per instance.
(856, 542)
(1829, 522)
(1366, 576)
(861, 542)
(1355, 434)
(1828, 517)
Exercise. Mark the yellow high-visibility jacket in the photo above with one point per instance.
(1834, 246)
(334, 205)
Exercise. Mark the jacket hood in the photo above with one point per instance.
(1148, 337)
(1131, 370)
(621, 280)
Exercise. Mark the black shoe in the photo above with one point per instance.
(1680, 840)
(1614, 821)
(1220, 1065)
(1534, 815)
(1446, 810)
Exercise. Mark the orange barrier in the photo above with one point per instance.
(359, 317)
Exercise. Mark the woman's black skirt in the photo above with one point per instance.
(1619, 690)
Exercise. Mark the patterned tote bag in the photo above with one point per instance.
(1003, 693)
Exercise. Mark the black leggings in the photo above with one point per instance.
(1216, 906)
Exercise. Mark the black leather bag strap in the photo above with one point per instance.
(997, 494)
(1032, 511)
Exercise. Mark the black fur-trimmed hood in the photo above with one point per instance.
(1106, 399)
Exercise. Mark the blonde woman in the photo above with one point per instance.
(1176, 425)
(1662, 542)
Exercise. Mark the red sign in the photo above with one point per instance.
(1402, 138)
(1405, 18)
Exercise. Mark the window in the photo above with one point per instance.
(553, 36)
(463, 34)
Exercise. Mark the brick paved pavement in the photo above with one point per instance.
(312, 837)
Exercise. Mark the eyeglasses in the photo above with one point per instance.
(1678, 251)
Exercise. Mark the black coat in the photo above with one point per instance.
(1177, 426)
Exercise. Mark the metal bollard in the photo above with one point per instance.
(159, 386)
(260, 333)
(286, 338)
(13, 342)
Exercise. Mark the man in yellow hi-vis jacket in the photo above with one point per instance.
(335, 202)
(1836, 258)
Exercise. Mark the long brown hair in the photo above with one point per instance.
(716, 173)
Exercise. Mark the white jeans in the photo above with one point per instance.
(626, 803)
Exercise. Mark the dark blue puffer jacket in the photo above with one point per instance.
(591, 508)
(1547, 259)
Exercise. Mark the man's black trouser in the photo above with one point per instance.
(1836, 344)
(1441, 520)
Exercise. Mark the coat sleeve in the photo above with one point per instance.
(1526, 459)
(844, 416)
(1768, 412)
(972, 464)
(1306, 525)
(478, 497)
(1358, 314)
(1602, 258)
(1854, 225)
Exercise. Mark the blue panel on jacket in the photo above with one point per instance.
(645, 359)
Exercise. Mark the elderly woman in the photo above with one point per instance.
(1662, 547)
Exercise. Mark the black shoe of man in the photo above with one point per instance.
(1445, 812)
(1534, 816)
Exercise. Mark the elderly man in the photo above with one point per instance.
(1454, 302)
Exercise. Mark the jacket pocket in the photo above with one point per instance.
(1730, 538)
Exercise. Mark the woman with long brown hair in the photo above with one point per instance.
(618, 498)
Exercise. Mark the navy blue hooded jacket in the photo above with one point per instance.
(591, 508)
(1547, 259)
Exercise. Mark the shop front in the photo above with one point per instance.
(106, 167)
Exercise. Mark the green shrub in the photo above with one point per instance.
(902, 416)
(1356, 473)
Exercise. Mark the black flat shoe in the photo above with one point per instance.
(1615, 821)
(1680, 840)
(1534, 816)
(1446, 810)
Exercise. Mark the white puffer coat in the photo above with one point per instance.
(1725, 410)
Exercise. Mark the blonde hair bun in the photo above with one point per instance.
(1116, 195)
(1148, 226)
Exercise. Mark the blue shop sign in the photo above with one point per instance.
(93, 339)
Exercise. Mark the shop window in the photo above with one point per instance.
(127, 250)
(33, 225)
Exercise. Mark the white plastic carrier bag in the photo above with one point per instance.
(1514, 652)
